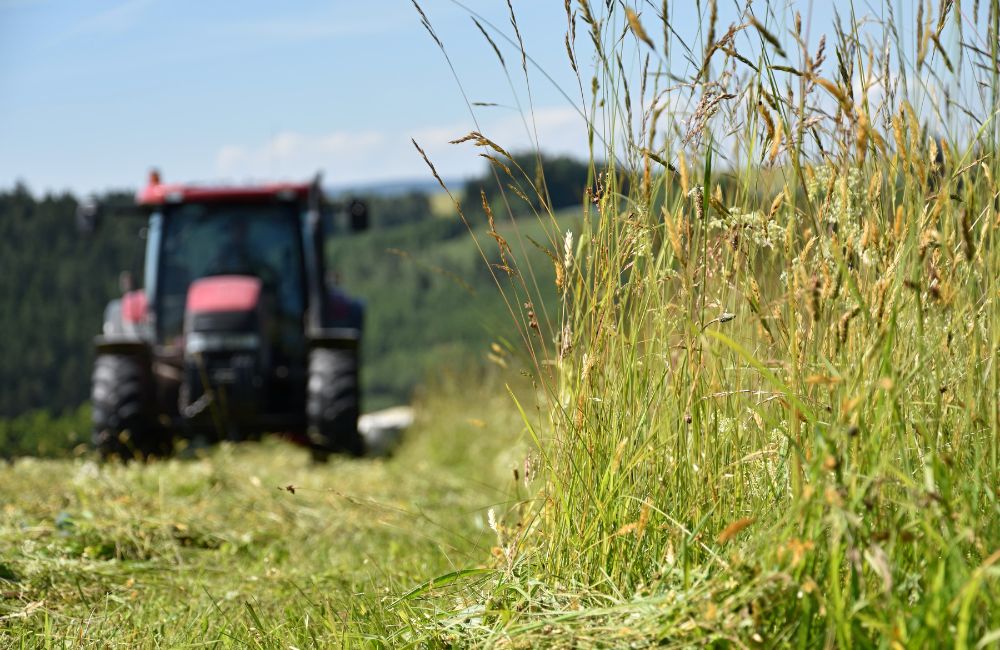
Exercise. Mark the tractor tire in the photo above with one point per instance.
(333, 403)
(124, 413)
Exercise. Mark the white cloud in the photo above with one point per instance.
(362, 156)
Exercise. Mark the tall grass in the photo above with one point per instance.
(773, 381)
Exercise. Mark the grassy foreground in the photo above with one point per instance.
(773, 386)
(219, 552)
(774, 378)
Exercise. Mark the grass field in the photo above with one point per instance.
(773, 382)
(219, 551)
(764, 410)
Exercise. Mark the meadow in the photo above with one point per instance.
(762, 410)
(772, 383)
(250, 546)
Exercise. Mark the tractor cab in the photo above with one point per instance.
(235, 332)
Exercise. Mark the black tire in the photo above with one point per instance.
(124, 410)
(333, 403)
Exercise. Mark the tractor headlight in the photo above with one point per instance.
(220, 341)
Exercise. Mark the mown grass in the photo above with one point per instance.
(772, 383)
(219, 551)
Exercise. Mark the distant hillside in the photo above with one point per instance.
(392, 188)
(432, 300)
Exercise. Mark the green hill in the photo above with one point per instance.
(432, 300)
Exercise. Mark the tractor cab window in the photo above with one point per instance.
(201, 240)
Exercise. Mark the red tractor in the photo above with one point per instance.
(237, 331)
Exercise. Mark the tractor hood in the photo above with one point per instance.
(223, 293)
(223, 312)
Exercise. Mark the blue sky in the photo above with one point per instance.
(94, 93)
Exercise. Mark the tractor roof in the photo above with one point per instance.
(157, 193)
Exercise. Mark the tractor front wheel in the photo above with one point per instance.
(124, 413)
(333, 403)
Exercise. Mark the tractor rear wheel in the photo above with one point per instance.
(124, 412)
(333, 403)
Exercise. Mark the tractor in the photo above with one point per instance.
(238, 329)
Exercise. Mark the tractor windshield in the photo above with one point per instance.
(205, 239)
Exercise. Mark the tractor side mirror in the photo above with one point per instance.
(357, 211)
(88, 216)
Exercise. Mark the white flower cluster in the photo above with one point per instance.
(726, 425)
(842, 197)
(845, 195)
(760, 229)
